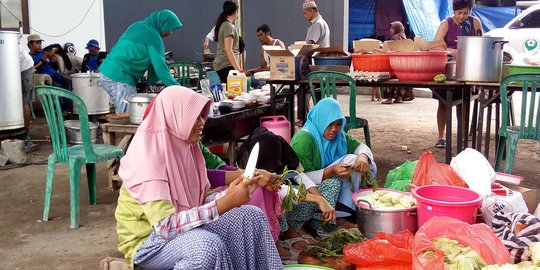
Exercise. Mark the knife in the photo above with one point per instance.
(252, 162)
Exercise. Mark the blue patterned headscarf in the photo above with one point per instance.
(320, 117)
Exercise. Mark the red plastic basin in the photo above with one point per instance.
(417, 66)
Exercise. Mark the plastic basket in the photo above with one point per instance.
(332, 60)
(371, 62)
(438, 200)
(417, 66)
(517, 69)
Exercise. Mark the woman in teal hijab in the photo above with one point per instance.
(327, 152)
(139, 49)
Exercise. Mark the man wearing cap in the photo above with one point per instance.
(43, 59)
(318, 31)
(93, 59)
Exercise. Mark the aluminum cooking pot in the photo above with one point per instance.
(479, 59)
(137, 106)
(370, 221)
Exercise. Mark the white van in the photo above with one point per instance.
(522, 32)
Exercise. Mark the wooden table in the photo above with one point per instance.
(227, 128)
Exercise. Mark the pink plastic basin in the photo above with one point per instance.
(455, 202)
(417, 66)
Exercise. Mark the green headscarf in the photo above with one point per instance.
(148, 31)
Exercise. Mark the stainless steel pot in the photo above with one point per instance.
(450, 70)
(137, 106)
(370, 221)
(479, 59)
(88, 87)
(11, 108)
(73, 130)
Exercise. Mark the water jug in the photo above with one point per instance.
(278, 125)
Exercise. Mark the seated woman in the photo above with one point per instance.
(328, 153)
(167, 216)
(276, 156)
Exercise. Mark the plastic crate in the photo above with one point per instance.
(332, 60)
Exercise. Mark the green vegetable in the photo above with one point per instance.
(332, 245)
(388, 200)
(292, 197)
(440, 78)
(458, 257)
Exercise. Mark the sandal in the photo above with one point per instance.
(387, 102)
(309, 239)
(289, 243)
(440, 143)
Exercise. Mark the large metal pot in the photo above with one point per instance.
(88, 87)
(11, 107)
(137, 106)
(370, 221)
(479, 59)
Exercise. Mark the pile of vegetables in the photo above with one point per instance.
(388, 200)
(332, 244)
(456, 256)
(534, 251)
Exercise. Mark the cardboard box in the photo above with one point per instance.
(529, 195)
(285, 64)
(366, 45)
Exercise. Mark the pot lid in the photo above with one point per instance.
(141, 98)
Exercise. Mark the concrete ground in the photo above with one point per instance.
(29, 243)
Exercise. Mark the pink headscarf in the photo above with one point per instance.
(160, 164)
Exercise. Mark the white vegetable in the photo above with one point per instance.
(389, 200)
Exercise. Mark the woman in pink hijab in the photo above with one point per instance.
(167, 218)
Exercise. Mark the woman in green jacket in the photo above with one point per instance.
(327, 152)
(138, 50)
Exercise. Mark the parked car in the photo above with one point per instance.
(522, 32)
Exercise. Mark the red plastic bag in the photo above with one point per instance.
(478, 236)
(384, 251)
(428, 171)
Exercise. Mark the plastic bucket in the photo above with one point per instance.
(277, 124)
(455, 202)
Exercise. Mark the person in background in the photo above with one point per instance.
(265, 37)
(139, 49)
(318, 31)
(75, 60)
(459, 24)
(228, 40)
(167, 214)
(93, 59)
(45, 61)
(327, 152)
(27, 83)
(209, 37)
(397, 32)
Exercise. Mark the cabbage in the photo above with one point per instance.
(458, 257)
(388, 200)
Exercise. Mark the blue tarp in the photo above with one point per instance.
(361, 19)
(423, 16)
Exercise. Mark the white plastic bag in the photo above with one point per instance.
(475, 170)
(513, 202)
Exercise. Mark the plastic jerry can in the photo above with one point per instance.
(278, 125)
(236, 82)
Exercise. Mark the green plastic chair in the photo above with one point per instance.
(183, 71)
(75, 156)
(529, 123)
(327, 84)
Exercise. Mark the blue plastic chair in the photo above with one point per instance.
(75, 156)
(529, 123)
(327, 82)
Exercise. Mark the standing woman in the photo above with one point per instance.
(138, 50)
(168, 217)
(460, 24)
(228, 40)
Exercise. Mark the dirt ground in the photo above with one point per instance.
(29, 243)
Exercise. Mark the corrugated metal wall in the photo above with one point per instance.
(198, 16)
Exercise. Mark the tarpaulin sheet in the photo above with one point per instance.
(361, 19)
(494, 17)
(424, 17)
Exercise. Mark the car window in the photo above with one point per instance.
(531, 21)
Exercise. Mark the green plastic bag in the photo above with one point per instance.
(400, 177)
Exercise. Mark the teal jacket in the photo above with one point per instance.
(141, 49)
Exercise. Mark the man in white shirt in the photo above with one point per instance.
(318, 31)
